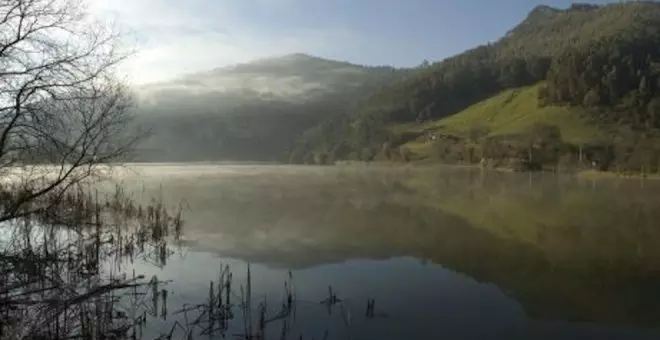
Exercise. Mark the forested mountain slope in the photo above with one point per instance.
(251, 111)
(601, 62)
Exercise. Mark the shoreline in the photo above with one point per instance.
(594, 174)
(585, 174)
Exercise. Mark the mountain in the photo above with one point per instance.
(252, 111)
(597, 65)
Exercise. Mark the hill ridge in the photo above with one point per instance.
(601, 60)
(250, 112)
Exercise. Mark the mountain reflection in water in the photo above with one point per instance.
(442, 251)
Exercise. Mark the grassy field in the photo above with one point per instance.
(512, 112)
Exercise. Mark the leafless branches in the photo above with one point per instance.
(62, 112)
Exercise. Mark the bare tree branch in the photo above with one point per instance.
(62, 113)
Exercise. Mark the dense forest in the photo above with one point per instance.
(601, 61)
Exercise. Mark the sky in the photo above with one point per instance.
(176, 37)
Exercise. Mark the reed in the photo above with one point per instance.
(60, 265)
(63, 275)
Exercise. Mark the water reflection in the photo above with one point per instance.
(442, 251)
(60, 267)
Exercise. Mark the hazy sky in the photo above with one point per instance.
(182, 36)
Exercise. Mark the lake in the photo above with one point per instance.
(371, 252)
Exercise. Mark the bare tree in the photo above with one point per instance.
(63, 114)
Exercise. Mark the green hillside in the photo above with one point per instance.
(548, 45)
(578, 86)
(515, 111)
(512, 112)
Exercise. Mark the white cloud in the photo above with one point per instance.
(177, 37)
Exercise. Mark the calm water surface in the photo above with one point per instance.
(444, 252)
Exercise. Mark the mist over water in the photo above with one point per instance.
(443, 251)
